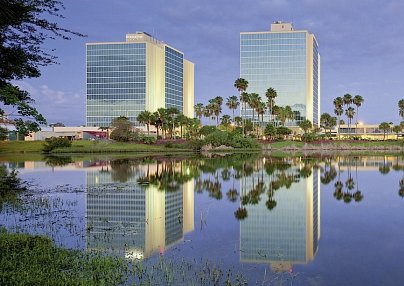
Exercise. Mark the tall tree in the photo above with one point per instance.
(253, 101)
(232, 103)
(199, 110)
(385, 127)
(241, 84)
(305, 125)
(327, 121)
(145, 117)
(350, 113)
(225, 121)
(397, 129)
(24, 28)
(271, 94)
(401, 108)
(244, 99)
(121, 129)
(338, 110)
(358, 101)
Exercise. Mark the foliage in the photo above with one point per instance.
(385, 127)
(121, 129)
(10, 187)
(231, 139)
(283, 131)
(148, 139)
(145, 117)
(310, 136)
(270, 131)
(327, 121)
(207, 129)
(24, 28)
(3, 133)
(305, 125)
(55, 142)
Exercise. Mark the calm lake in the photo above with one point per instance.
(278, 221)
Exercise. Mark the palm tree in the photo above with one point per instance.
(215, 105)
(199, 110)
(271, 94)
(225, 121)
(350, 113)
(347, 99)
(385, 127)
(241, 84)
(357, 100)
(289, 113)
(145, 117)
(208, 111)
(232, 103)
(182, 121)
(244, 99)
(338, 103)
(261, 111)
(397, 129)
(253, 102)
(401, 108)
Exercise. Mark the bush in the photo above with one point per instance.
(207, 129)
(54, 142)
(217, 139)
(149, 139)
(247, 143)
(169, 144)
(196, 144)
(309, 137)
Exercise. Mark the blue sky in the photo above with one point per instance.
(361, 46)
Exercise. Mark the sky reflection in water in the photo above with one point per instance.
(334, 221)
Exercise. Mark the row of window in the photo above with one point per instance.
(132, 79)
(283, 35)
(117, 46)
(116, 85)
(114, 63)
(118, 58)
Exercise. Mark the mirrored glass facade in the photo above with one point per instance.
(281, 60)
(143, 73)
(116, 82)
(174, 76)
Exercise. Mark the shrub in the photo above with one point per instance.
(309, 137)
(207, 129)
(218, 138)
(169, 144)
(54, 142)
(149, 139)
(196, 144)
(246, 143)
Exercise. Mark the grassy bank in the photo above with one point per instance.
(84, 146)
(35, 260)
(31, 148)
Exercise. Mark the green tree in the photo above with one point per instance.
(338, 110)
(3, 133)
(271, 94)
(121, 129)
(283, 131)
(270, 131)
(350, 113)
(199, 110)
(358, 101)
(24, 28)
(253, 101)
(397, 129)
(182, 121)
(241, 84)
(401, 108)
(232, 103)
(385, 127)
(145, 117)
(327, 121)
(225, 121)
(305, 125)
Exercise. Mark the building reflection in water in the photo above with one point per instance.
(288, 233)
(135, 219)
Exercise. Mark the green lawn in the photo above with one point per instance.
(84, 146)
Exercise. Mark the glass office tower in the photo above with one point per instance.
(288, 61)
(125, 78)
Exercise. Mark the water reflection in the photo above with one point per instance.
(140, 217)
(263, 210)
(285, 229)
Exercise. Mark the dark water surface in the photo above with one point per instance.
(291, 221)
